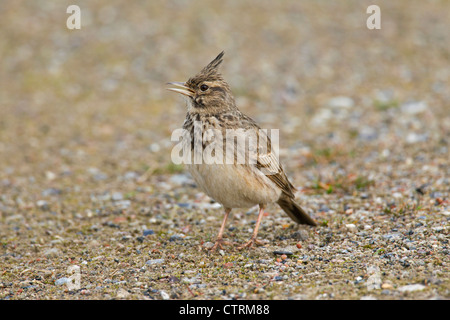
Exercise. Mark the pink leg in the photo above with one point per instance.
(253, 240)
(219, 240)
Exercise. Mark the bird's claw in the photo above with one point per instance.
(219, 244)
(249, 243)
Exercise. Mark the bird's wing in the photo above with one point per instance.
(267, 159)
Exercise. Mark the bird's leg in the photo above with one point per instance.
(219, 240)
(253, 239)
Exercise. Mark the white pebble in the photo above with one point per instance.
(164, 295)
(412, 287)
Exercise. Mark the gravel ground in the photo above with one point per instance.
(86, 178)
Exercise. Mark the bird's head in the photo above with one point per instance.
(207, 91)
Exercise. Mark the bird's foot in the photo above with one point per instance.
(219, 244)
(249, 243)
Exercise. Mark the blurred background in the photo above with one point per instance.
(91, 105)
(312, 68)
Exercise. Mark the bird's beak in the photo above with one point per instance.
(182, 88)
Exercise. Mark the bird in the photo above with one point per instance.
(259, 180)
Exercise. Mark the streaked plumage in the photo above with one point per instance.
(236, 185)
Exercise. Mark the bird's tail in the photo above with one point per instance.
(295, 211)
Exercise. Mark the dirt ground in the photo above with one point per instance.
(92, 207)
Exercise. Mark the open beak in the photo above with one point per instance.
(181, 88)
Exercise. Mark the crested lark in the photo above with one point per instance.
(259, 180)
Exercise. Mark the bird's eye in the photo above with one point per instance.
(204, 87)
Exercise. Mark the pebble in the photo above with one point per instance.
(341, 102)
(208, 245)
(176, 237)
(414, 107)
(51, 192)
(52, 252)
(368, 298)
(123, 204)
(154, 261)
(193, 280)
(214, 205)
(50, 175)
(397, 195)
(412, 287)
(154, 147)
(62, 281)
(164, 295)
(300, 235)
(283, 252)
(392, 236)
(367, 133)
(387, 286)
(351, 227)
(148, 232)
(116, 196)
(42, 204)
(130, 175)
(414, 137)
(122, 293)
(181, 179)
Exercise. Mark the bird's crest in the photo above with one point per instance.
(213, 66)
(208, 73)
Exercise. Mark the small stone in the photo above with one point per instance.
(42, 204)
(392, 236)
(116, 196)
(208, 245)
(300, 235)
(122, 293)
(412, 287)
(387, 286)
(351, 227)
(193, 280)
(154, 147)
(283, 252)
(176, 237)
(130, 175)
(148, 232)
(53, 252)
(164, 295)
(368, 298)
(413, 137)
(414, 107)
(340, 102)
(397, 195)
(50, 175)
(51, 192)
(181, 179)
(154, 261)
(123, 204)
(62, 281)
